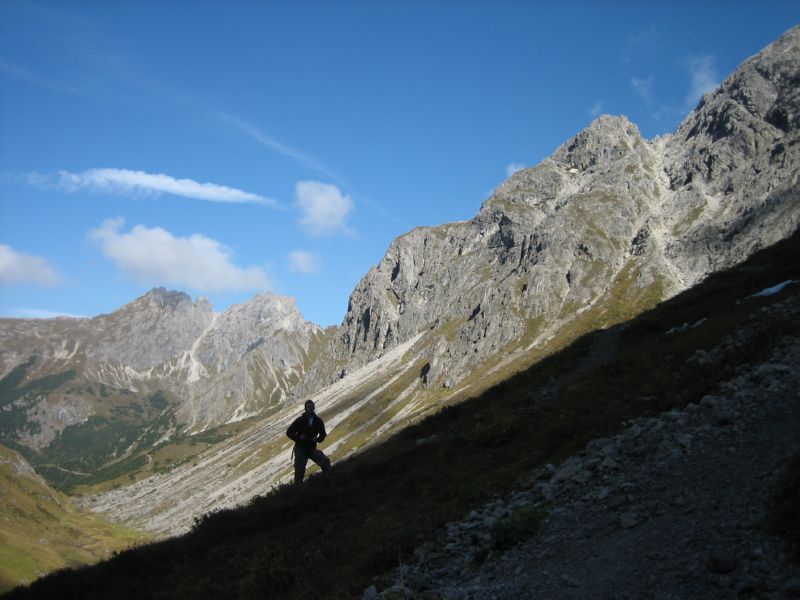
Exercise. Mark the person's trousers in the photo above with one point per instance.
(302, 455)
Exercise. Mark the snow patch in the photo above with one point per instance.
(774, 289)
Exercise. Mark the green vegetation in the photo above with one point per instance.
(111, 446)
(86, 453)
(40, 530)
(15, 417)
(382, 503)
(681, 227)
(150, 458)
(9, 385)
(517, 527)
(10, 390)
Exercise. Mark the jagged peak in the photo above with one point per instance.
(268, 301)
(763, 87)
(160, 298)
(162, 295)
(272, 307)
(606, 138)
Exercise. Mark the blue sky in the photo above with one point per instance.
(224, 149)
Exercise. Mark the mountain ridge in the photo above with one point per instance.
(588, 238)
(607, 227)
(156, 369)
(404, 510)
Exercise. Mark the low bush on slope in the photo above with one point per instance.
(327, 538)
(785, 514)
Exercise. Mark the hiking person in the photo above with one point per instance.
(306, 432)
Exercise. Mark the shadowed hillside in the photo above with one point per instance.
(380, 505)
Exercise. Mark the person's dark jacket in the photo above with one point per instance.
(305, 434)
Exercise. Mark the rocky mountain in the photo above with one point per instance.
(655, 458)
(608, 226)
(159, 367)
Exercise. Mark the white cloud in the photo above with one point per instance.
(644, 87)
(38, 313)
(702, 78)
(304, 262)
(262, 138)
(513, 168)
(325, 210)
(645, 37)
(156, 257)
(20, 267)
(127, 182)
(596, 110)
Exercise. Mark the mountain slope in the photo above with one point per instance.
(606, 228)
(86, 400)
(40, 529)
(382, 504)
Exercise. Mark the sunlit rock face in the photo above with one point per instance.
(161, 354)
(610, 222)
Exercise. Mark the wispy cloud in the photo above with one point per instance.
(25, 74)
(139, 183)
(644, 37)
(513, 168)
(304, 262)
(702, 78)
(644, 41)
(324, 209)
(596, 110)
(38, 313)
(270, 142)
(20, 267)
(156, 257)
(644, 87)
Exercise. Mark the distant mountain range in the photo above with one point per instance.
(164, 410)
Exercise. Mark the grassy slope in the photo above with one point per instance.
(40, 530)
(327, 538)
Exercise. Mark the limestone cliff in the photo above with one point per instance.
(611, 223)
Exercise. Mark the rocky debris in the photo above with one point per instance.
(673, 506)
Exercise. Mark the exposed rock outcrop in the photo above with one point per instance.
(611, 223)
(157, 367)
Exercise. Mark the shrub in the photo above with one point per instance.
(519, 526)
(784, 517)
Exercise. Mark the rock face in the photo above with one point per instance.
(733, 164)
(610, 224)
(149, 331)
(161, 358)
